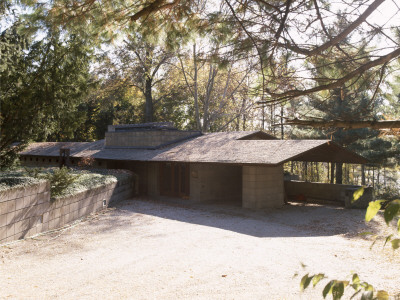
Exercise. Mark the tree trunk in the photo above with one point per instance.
(148, 115)
(373, 176)
(377, 179)
(282, 133)
(384, 176)
(327, 172)
(305, 172)
(362, 175)
(339, 173)
(195, 90)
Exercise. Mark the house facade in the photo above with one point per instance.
(245, 167)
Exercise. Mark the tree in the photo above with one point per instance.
(299, 30)
(141, 63)
(41, 83)
(215, 86)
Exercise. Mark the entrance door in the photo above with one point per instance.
(174, 179)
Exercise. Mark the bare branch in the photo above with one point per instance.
(345, 124)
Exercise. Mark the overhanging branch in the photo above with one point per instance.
(373, 124)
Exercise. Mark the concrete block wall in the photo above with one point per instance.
(26, 211)
(148, 138)
(215, 182)
(262, 187)
(340, 193)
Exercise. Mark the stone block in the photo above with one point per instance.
(10, 229)
(10, 217)
(30, 200)
(44, 197)
(11, 205)
(67, 218)
(45, 227)
(56, 223)
(59, 203)
(3, 208)
(55, 213)
(46, 217)
(3, 220)
(44, 187)
(19, 226)
(52, 224)
(19, 203)
(31, 232)
(19, 192)
(3, 233)
(35, 221)
(65, 210)
(19, 215)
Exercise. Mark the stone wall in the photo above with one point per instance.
(145, 138)
(26, 211)
(215, 182)
(262, 187)
(336, 193)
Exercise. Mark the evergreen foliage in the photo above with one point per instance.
(42, 82)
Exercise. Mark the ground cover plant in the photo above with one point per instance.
(63, 181)
(12, 179)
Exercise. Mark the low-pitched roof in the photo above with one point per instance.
(219, 147)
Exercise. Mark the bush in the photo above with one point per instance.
(60, 180)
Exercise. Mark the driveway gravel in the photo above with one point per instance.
(146, 249)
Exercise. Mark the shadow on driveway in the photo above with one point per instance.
(292, 220)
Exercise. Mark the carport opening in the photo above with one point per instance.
(322, 182)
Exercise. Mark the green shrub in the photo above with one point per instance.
(33, 172)
(60, 180)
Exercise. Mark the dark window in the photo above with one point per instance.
(174, 179)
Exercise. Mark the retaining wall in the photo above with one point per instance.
(26, 211)
(340, 194)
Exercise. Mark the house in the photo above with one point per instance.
(243, 166)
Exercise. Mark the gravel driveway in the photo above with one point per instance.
(176, 250)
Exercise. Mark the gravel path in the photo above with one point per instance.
(177, 250)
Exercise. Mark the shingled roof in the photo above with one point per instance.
(219, 147)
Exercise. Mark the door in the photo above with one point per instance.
(174, 179)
